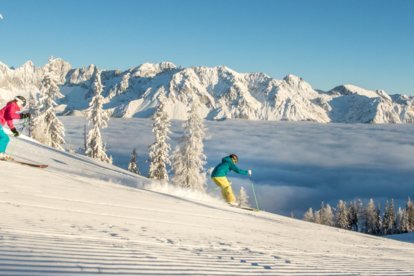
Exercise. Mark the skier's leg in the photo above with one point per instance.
(4, 140)
(226, 189)
(229, 195)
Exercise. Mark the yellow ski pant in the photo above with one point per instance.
(226, 190)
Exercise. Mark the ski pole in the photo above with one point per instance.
(26, 126)
(254, 193)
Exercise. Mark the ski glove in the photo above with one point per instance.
(15, 132)
(249, 172)
(25, 115)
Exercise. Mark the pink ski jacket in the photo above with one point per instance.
(8, 113)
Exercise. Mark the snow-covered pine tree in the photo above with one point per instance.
(342, 216)
(317, 216)
(47, 127)
(409, 209)
(385, 220)
(353, 216)
(402, 221)
(159, 151)
(327, 216)
(133, 166)
(189, 159)
(309, 215)
(388, 221)
(372, 223)
(98, 118)
(243, 198)
(379, 219)
(361, 215)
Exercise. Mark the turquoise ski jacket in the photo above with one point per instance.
(225, 166)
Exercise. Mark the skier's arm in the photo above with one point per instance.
(238, 170)
(10, 114)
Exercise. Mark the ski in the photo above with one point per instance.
(249, 209)
(41, 166)
(245, 208)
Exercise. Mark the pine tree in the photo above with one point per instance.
(317, 216)
(47, 128)
(385, 219)
(189, 159)
(361, 215)
(342, 216)
(409, 209)
(402, 221)
(159, 151)
(133, 166)
(353, 216)
(243, 198)
(388, 221)
(379, 222)
(372, 224)
(327, 216)
(309, 215)
(98, 118)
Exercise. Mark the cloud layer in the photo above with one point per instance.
(295, 165)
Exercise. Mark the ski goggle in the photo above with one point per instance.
(21, 101)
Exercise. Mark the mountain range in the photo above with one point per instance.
(223, 93)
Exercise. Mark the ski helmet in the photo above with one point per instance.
(21, 100)
(234, 157)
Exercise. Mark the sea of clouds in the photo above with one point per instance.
(295, 165)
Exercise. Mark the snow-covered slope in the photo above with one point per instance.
(224, 93)
(82, 217)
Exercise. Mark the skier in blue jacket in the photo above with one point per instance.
(219, 176)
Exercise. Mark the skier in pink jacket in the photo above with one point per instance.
(7, 115)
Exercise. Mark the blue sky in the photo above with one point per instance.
(369, 43)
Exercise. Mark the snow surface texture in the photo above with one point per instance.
(223, 92)
(295, 165)
(81, 216)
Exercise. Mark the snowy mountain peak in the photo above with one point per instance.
(223, 92)
(3, 68)
(292, 79)
(28, 65)
(80, 76)
(57, 63)
(28, 69)
(297, 83)
(59, 67)
(349, 89)
(148, 70)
